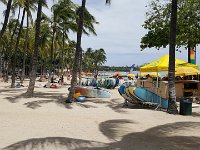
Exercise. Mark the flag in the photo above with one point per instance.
(192, 56)
(132, 67)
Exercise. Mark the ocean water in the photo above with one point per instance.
(110, 73)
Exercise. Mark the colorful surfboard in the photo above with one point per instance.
(92, 92)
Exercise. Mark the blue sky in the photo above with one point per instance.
(120, 31)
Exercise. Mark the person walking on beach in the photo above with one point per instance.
(116, 80)
(94, 81)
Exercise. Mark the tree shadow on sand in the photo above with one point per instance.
(11, 90)
(48, 97)
(53, 143)
(53, 97)
(169, 136)
(114, 104)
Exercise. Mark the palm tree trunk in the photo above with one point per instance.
(1, 63)
(45, 68)
(51, 66)
(63, 46)
(26, 46)
(6, 70)
(24, 64)
(80, 66)
(172, 108)
(14, 61)
(6, 19)
(52, 46)
(31, 86)
(77, 54)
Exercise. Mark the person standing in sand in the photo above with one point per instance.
(94, 81)
(116, 81)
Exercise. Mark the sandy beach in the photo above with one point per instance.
(46, 122)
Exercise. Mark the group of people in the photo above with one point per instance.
(94, 81)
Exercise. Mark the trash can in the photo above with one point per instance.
(186, 106)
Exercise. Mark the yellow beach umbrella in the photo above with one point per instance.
(130, 75)
(185, 71)
(82, 73)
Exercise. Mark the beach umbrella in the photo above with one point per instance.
(89, 73)
(130, 75)
(117, 74)
(186, 71)
(82, 73)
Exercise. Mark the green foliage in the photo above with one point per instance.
(63, 20)
(158, 23)
(93, 59)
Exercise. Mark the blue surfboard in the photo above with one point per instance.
(148, 96)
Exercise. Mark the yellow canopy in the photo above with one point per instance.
(152, 74)
(185, 71)
(162, 63)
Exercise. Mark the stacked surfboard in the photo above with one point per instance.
(141, 95)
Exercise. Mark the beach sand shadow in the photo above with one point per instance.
(53, 143)
(11, 90)
(163, 137)
(48, 97)
(114, 104)
(160, 137)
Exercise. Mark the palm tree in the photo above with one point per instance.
(5, 53)
(78, 50)
(30, 6)
(8, 47)
(88, 22)
(88, 59)
(70, 53)
(65, 14)
(99, 58)
(172, 108)
(45, 43)
(31, 86)
(26, 44)
(26, 4)
(9, 3)
(14, 60)
(15, 23)
(6, 18)
(77, 53)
